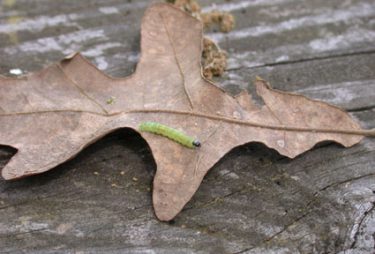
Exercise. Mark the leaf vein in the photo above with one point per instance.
(177, 62)
(82, 91)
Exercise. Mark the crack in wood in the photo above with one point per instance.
(23, 233)
(286, 227)
(324, 162)
(276, 234)
(361, 109)
(303, 60)
(345, 181)
(361, 220)
(62, 194)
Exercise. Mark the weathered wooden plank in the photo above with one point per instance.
(253, 200)
(292, 30)
(97, 30)
(347, 81)
(267, 31)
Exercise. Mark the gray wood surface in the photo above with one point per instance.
(253, 200)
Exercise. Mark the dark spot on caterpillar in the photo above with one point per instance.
(196, 143)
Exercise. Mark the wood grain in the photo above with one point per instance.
(320, 202)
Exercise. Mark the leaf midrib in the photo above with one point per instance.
(361, 132)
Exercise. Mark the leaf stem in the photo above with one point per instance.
(360, 132)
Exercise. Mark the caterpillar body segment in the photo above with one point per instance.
(170, 133)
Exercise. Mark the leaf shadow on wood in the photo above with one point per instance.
(247, 192)
(119, 161)
(250, 192)
(96, 160)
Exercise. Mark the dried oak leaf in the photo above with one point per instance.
(52, 115)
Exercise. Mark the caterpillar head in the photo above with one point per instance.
(196, 143)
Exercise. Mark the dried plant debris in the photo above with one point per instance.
(51, 115)
(214, 59)
(189, 6)
(224, 20)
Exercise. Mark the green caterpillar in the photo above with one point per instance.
(170, 133)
